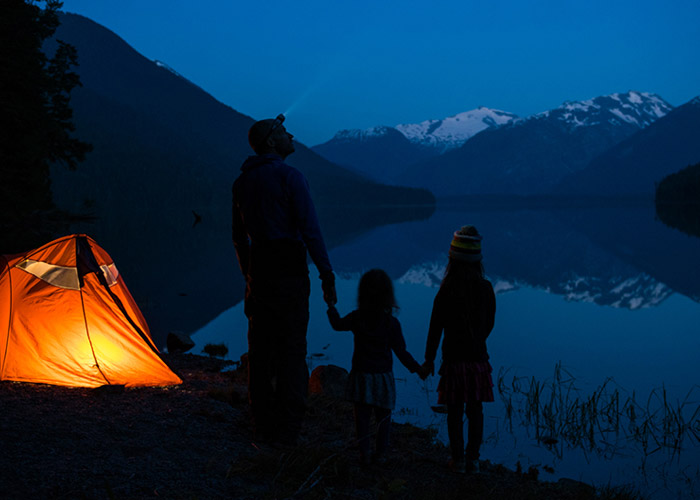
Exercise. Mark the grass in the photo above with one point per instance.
(559, 414)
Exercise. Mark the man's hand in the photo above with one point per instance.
(328, 287)
(428, 368)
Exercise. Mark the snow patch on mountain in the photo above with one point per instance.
(429, 274)
(452, 132)
(636, 108)
(362, 135)
(635, 98)
(625, 292)
(161, 64)
(637, 292)
(502, 286)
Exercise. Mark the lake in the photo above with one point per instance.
(595, 345)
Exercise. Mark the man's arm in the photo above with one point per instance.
(306, 217)
(240, 237)
(310, 229)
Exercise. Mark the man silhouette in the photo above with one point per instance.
(274, 225)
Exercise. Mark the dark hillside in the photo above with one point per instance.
(678, 200)
(130, 105)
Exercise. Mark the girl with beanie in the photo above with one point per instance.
(464, 309)
(371, 385)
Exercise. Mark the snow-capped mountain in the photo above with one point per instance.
(636, 164)
(639, 109)
(383, 152)
(450, 133)
(531, 155)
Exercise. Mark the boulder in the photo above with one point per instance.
(328, 380)
(179, 342)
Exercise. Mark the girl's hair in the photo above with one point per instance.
(461, 283)
(375, 293)
(460, 274)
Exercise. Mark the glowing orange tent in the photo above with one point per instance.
(67, 318)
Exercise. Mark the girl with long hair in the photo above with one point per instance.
(463, 310)
(371, 385)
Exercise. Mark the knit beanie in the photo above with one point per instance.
(466, 245)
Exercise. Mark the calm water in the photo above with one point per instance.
(609, 295)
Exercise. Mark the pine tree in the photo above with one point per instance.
(35, 113)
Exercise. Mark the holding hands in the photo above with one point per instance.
(328, 287)
(427, 368)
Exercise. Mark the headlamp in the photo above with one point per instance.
(275, 125)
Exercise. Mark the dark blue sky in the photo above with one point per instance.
(358, 64)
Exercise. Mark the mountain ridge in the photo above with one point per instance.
(451, 132)
(531, 155)
(636, 164)
(382, 152)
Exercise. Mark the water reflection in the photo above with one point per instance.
(619, 256)
(684, 216)
(609, 294)
(184, 275)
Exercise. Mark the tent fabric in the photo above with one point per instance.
(67, 318)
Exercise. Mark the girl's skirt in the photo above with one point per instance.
(465, 381)
(376, 389)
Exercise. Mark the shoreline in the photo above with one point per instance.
(194, 441)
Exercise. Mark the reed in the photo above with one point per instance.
(608, 418)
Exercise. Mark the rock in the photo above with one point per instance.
(179, 342)
(328, 380)
(216, 350)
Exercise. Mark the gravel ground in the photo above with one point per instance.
(193, 441)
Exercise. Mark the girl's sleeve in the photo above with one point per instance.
(435, 329)
(398, 345)
(337, 323)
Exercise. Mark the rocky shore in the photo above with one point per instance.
(193, 441)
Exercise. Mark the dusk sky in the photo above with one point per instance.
(334, 65)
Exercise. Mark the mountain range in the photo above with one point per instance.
(609, 146)
(532, 155)
(637, 163)
(450, 133)
(384, 152)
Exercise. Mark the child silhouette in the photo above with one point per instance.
(371, 384)
(464, 309)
